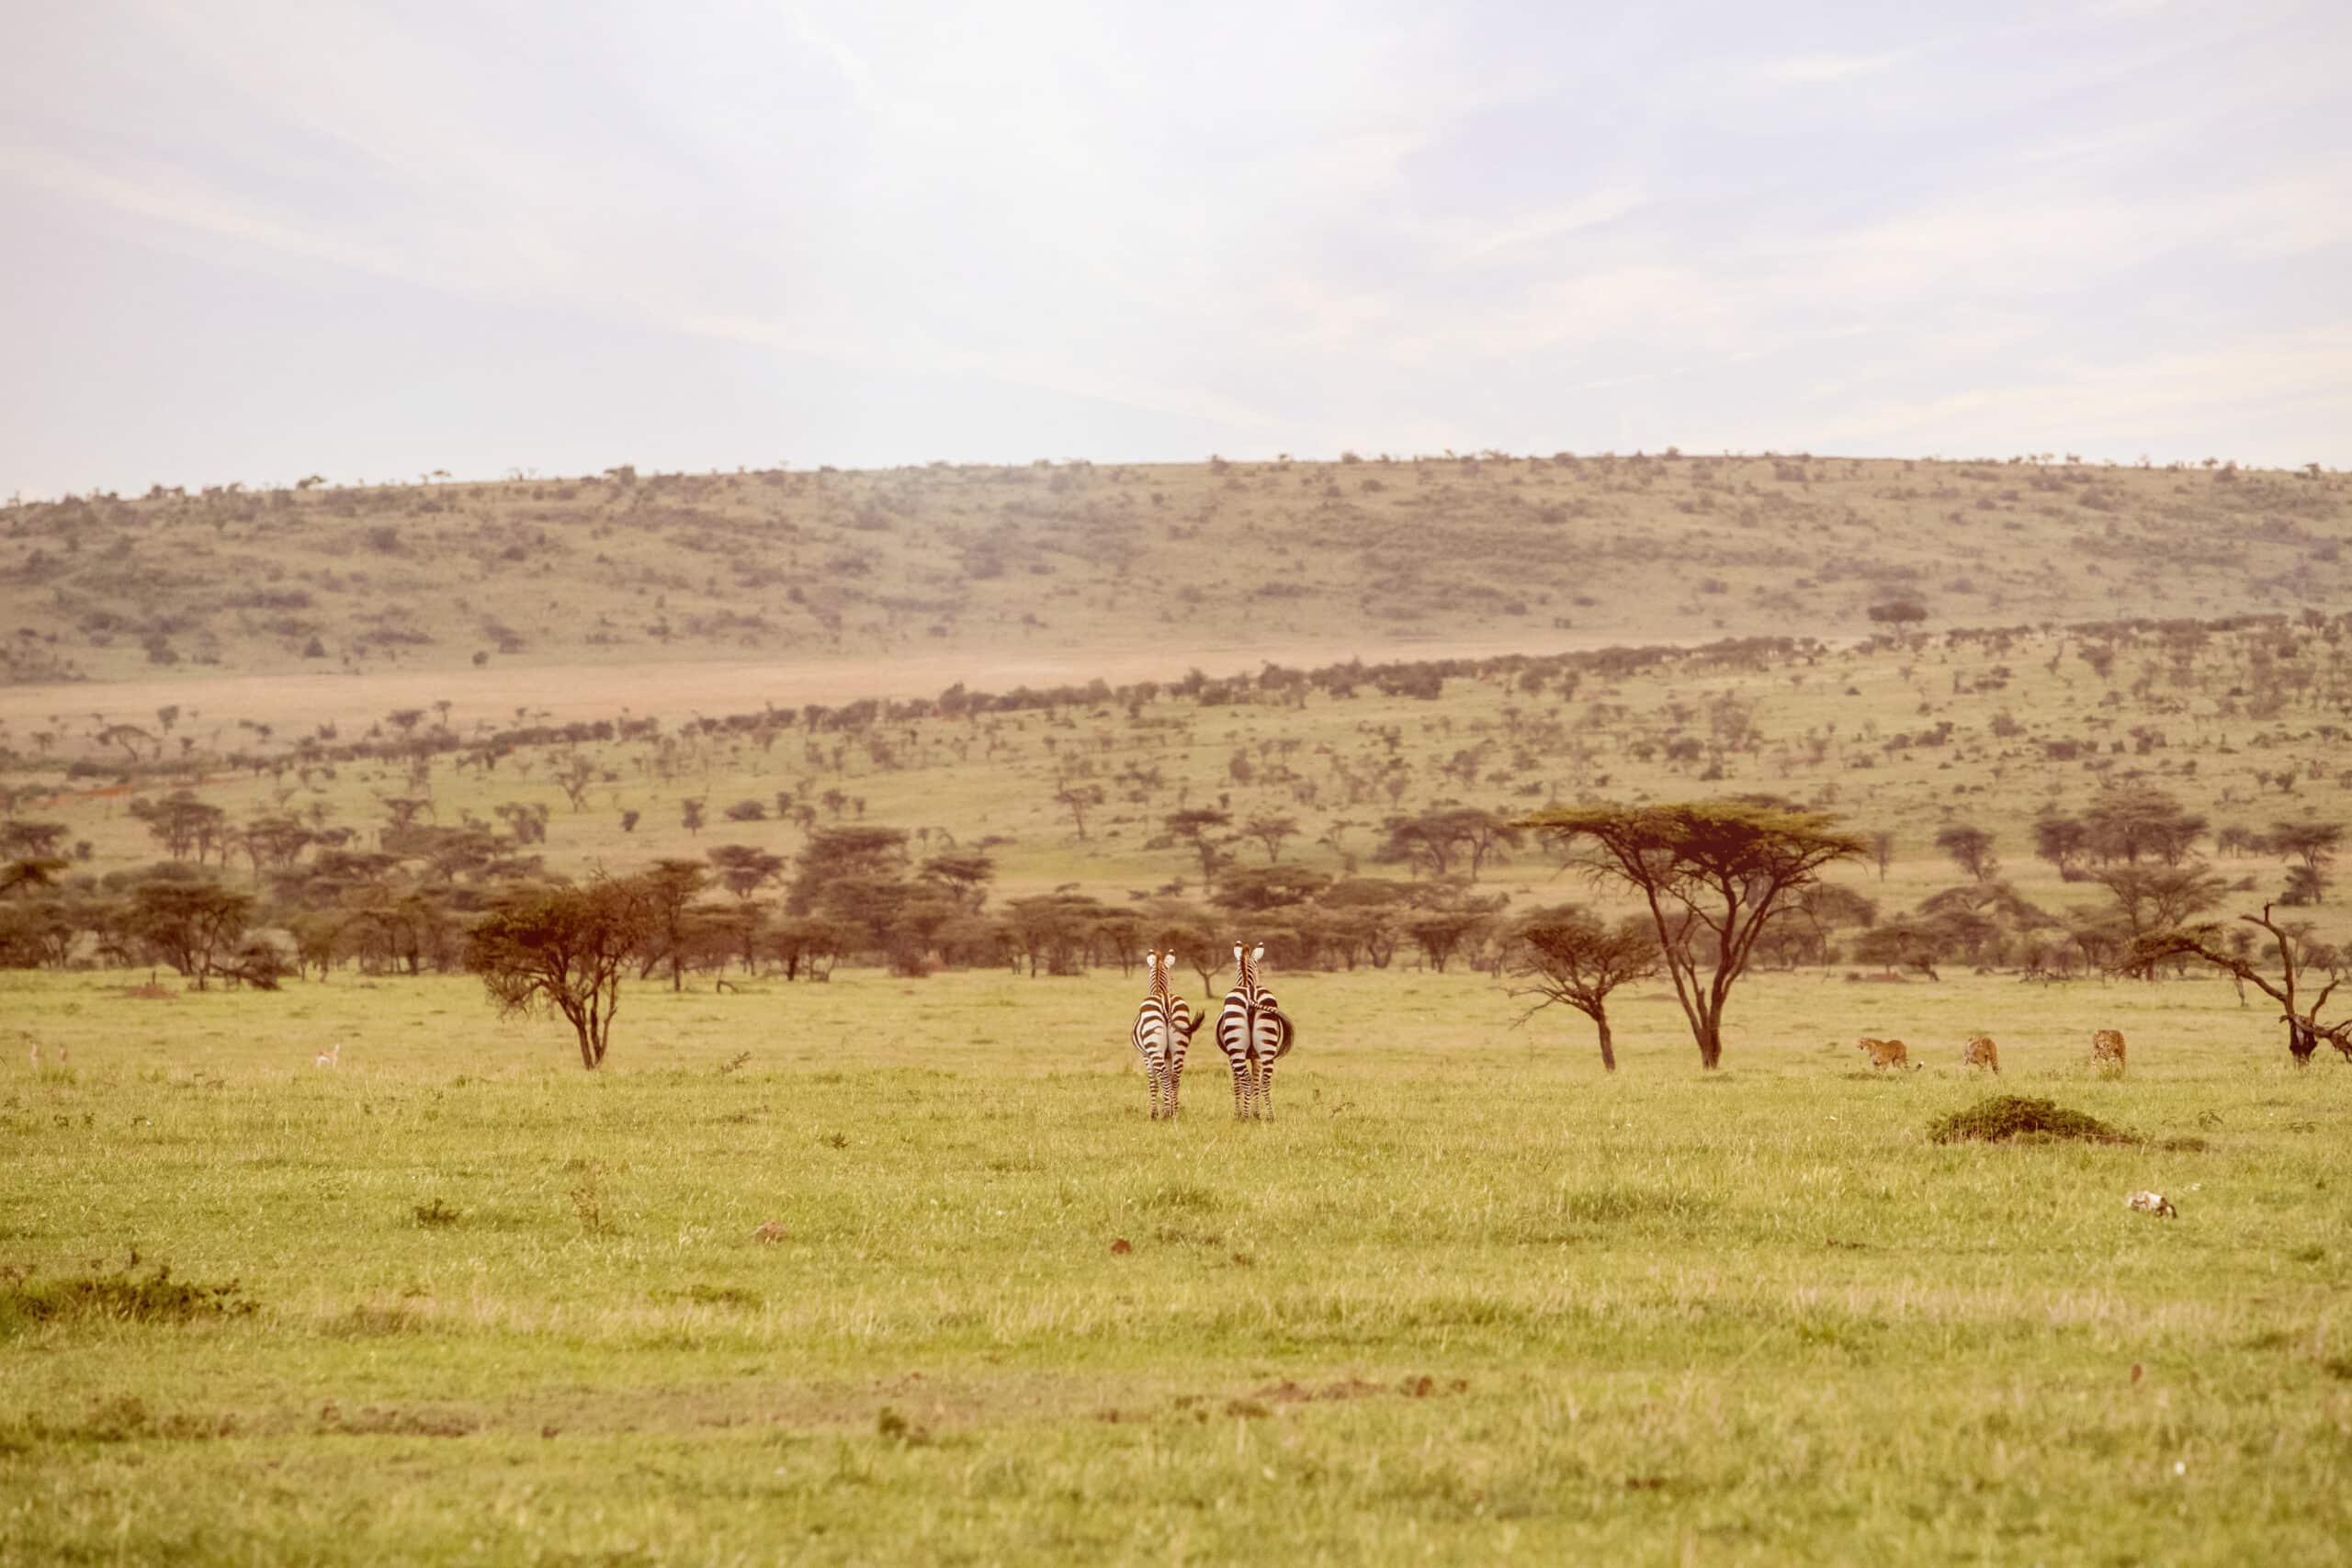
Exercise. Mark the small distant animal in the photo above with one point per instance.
(2151, 1202)
(2107, 1049)
(1982, 1053)
(1888, 1053)
(36, 1055)
(329, 1058)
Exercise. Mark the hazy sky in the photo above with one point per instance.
(254, 242)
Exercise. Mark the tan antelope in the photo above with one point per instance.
(329, 1058)
(1982, 1053)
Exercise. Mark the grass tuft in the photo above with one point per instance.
(2015, 1117)
(123, 1297)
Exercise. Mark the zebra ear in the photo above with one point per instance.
(1258, 954)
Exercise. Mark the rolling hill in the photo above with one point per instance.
(1085, 567)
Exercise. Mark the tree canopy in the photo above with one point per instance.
(1712, 873)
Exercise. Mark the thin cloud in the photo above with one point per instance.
(1806, 70)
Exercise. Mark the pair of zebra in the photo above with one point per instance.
(1251, 1030)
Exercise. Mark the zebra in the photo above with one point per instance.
(1164, 1025)
(1183, 1023)
(1254, 1032)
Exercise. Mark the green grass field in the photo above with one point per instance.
(1467, 1300)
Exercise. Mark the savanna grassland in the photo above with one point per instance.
(1466, 1299)
(893, 1266)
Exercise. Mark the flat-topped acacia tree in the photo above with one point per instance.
(564, 948)
(1712, 873)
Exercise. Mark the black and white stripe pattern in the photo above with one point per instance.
(1164, 1025)
(1181, 1023)
(1254, 1032)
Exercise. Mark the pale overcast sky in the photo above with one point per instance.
(257, 240)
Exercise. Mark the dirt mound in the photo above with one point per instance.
(2011, 1118)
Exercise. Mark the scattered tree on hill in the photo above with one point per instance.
(31, 841)
(1441, 930)
(1194, 826)
(1882, 850)
(182, 824)
(1437, 841)
(669, 890)
(573, 778)
(1078, 799)
(1569, 956)
(2061, 840)
(745, 868)
(1971, 848)
(2313, 843)
(2126, 824)
(563, 949)
(1712, 873)
(1900, 943)
(2159, 898)
(1270, 831)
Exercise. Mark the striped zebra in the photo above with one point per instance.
(1183, 1023)
(1164, 1025)
(1254, 1032)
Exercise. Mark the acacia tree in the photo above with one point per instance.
(1270, 831)
(670, 889)
(563, 949)
(745, 868)
(1971, 848)
(192, 925)
(2156, 898)
(1569, 956)
(1194, 826)
(2207, 943)
(1712, 873)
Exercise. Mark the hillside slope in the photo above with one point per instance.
(1350, 557)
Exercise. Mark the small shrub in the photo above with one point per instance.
(436, 1215)
(119, 1298)
(2008, 1118)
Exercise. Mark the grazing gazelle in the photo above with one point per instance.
(332, 1057)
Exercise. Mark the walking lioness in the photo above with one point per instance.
(1982, 1053)
(2107, 1049)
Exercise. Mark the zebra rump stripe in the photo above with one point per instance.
(1254, 1032)
(1163, 1027)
